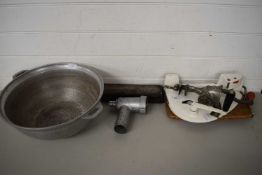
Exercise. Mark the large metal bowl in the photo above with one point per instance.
(52, 101)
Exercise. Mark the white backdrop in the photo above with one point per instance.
(135, 42)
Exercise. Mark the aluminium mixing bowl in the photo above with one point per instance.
(52, 101)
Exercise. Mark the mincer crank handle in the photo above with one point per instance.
(230, 96)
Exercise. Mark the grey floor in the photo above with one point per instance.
(155, 145)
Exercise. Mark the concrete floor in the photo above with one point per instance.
(155, 145)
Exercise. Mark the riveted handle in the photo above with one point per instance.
(18, 74)
(94, 112)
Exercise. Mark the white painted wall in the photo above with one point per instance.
(135, 41)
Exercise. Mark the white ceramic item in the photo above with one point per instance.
(196, 112)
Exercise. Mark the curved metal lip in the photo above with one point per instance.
(44, 67)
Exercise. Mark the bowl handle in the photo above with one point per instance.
(21, 72)
(94, 112)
